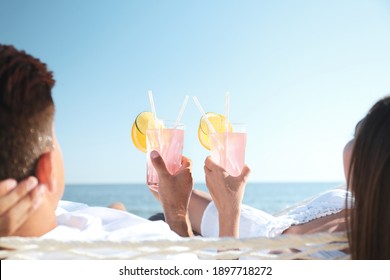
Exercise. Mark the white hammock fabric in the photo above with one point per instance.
(287, 247)
(306, 247)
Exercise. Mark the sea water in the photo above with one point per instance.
(270, 197)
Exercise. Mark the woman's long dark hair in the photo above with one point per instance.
(369, 181)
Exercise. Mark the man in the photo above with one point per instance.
(29, 143)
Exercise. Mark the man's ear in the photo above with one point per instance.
(45, 171)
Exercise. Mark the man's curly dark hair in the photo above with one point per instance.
(26, 112)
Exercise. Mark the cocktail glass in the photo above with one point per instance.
(228, 148)
(168, 141)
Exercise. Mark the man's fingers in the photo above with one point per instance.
(20, 212)
(22, 189)
(245, 173)
(158, 163)
(37, 196)
(29, 184)
(16, 216)
(186, 162)
(7, 185)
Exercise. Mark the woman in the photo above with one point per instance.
(369, 181)
(366, 217)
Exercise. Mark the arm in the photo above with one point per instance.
(174, 193)
(227, 193)
(17, 202)
(198, 204)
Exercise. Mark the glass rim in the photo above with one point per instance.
(169, 124)
(239, 124)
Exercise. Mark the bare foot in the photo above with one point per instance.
(117, 206)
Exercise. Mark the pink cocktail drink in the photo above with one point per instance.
(169, 143)
(228, 151)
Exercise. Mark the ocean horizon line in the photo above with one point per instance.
(268, 196)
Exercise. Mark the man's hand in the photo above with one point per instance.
(174, 192)
(17, 202)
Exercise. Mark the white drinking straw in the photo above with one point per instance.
(182, 108)
(153, 108)
(210, 126)
(227, 111)
(235, 166)
(227, 125)
(154, 117)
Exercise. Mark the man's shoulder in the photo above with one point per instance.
(70, 206)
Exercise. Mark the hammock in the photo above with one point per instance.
(313, 246)
(287, 247)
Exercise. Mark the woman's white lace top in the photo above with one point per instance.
(255, 223)
(324, 204)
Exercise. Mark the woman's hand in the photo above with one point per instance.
(227, 193)
(174, 192)
(17, 202)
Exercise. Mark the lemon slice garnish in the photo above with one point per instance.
(218, 122)
(139, 139)
(142, 123)
(145, 121)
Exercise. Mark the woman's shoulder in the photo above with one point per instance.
(331, 195)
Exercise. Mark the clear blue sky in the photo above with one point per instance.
(299, 73)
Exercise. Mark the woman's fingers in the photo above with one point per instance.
(211, 164)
